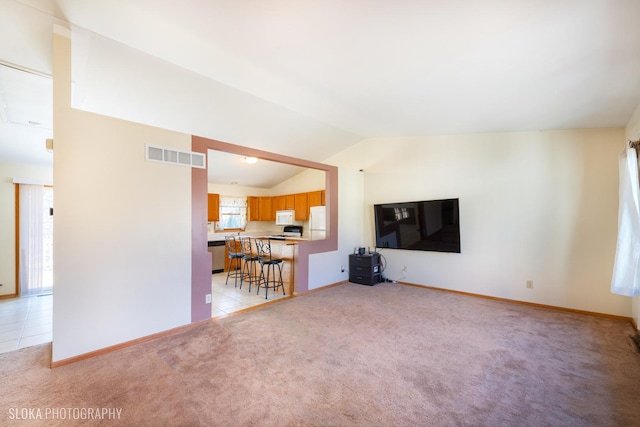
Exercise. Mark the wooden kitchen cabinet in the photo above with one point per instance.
(284, 202)
(316, 198)
(266, 210)
(302, 206)
(260, 208)
(253, 205)
(213, 203)
(289, 202)
(279, 203)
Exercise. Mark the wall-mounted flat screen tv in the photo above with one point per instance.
(431, 225)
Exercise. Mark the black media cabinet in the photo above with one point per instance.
(365, 269)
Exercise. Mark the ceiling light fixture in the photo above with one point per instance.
(251, 160)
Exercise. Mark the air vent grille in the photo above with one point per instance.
(198, 160)
(154, 153)
(176, 157)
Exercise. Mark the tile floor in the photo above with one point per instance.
(25, 321)
(227, 299)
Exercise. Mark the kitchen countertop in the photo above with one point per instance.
(212, 237)
(220, 236)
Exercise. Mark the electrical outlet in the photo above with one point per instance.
(530, 284)
(342, 268)
(207, 298)
(404, 269)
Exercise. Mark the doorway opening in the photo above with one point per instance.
(26, 319)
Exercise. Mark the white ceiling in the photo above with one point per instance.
(231, 169)
(26, 119)
(309, 78)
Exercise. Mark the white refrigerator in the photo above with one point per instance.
(318, 222)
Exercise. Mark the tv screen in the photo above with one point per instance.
(431, 225)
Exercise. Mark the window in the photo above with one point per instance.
(233, 213)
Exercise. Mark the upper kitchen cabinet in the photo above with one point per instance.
(289, 202)
(213, 202)
(266, 209)
(317, 198)
(261, 208)
(302, 206)
(278, 203)
(253, 205)
(285, 202)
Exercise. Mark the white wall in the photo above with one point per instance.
(538, 206)
(325, 268)
(237, 190)
(9, 172)
(633, 127)
(308, 180)
(123, 228)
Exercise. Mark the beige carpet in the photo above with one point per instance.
(388, 355)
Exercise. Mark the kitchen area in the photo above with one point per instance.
(283, 220)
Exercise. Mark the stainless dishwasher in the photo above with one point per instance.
(216, 248)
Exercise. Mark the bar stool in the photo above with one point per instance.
(234, 253)
(249, 264)
(268, 280)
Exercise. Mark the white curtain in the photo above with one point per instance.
(31, 246)
(626, 269)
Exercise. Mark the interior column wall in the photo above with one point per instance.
(123, 227)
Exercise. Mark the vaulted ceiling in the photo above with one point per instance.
(309, 78)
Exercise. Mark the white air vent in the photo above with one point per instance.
(154, 153)
(170, 156)
(198, 160)
(176, 157)
(184, 158)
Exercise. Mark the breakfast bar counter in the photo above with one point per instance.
(287, 251)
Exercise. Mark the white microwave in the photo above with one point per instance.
(285, 217)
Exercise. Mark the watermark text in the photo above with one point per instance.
(65, 413)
